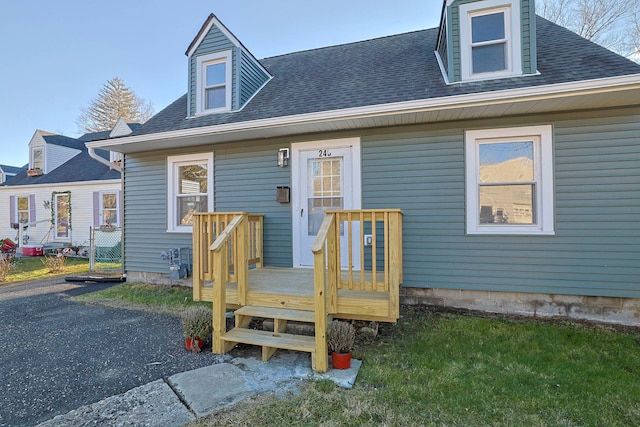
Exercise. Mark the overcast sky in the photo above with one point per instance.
(56, 55)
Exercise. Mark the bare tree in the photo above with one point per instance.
(610, 23)
(115, 100)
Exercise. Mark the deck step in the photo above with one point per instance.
(270, 339)
(277, 313)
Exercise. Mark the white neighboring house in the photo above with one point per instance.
(64, 191)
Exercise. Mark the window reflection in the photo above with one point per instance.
(507, 183)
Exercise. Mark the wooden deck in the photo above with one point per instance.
(293, 288)
(228, 271)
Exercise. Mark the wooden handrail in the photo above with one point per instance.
(321, 237)
(210, 229)
(226, 233)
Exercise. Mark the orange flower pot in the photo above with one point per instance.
(189, 343)
(341, 360)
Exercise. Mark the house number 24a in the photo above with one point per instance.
(324, 153)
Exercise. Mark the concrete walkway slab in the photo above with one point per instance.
(208, 389)
(345, 378)
(204, 391)
(153, 404)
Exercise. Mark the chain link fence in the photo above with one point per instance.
(105, 250)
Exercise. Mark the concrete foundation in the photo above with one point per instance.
(624, 311)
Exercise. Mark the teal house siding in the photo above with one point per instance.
(252, 77)
(145, 214)
(214, 41)
(245, 179)
(595, 250)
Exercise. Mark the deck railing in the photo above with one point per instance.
(207, 228)
(380, 261)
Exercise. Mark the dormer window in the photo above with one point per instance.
(490, 39)
(214, 82)
(37, 159)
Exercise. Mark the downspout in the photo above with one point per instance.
(94, 156)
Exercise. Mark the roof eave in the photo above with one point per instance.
(535, 99)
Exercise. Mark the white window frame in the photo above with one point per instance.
(117, 208)
(201, 63)
(513, 51)
(543, 177)
(29, 219)
(173, 162)
(32, 159)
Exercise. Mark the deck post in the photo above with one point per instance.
(197, 261)
(333, 265)
(219, 301)
(241, 262)
(259, 249)
(395, 263)
(320, 360)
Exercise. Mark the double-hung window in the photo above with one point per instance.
(23, 209)
(110, 208)
(490, 39)
(509, 181)
(37, 158)
(190, 182)
(213, 82)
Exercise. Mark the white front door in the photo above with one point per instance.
(326, 176)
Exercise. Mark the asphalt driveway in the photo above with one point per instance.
(57, 355)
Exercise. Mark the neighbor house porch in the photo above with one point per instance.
(230, 246)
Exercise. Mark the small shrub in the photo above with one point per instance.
(54, 263)
(5, 267)
(197, 322)
(340, 336)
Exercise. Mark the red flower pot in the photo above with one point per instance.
(189, 343)
(341, 360)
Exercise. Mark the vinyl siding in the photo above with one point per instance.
(81, 209)
(215, 41)
(252, 77)
(595, 250)
(420, 169)
(245, 179)
(57, 155)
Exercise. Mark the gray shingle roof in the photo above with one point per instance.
(79, 168)
(11, 169)
(391, 69)
(64, 141)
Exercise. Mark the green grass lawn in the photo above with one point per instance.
(445, 369)
(30, 268)
(142, 295)
(452, 370)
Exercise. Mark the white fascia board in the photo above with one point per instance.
(532, 93)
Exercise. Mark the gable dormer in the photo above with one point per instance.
(486, 39)
(48, 150)
(223, 75)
